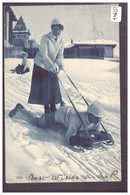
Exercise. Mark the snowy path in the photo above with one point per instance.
(37, 155)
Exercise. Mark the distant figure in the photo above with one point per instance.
(45, 89)
(22, 68)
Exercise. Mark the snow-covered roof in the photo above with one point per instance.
(68, 45)
(89, 42)
(7, 44)
(98, 41)
(21, 31)
(11, 13)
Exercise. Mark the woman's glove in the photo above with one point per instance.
(53, 69)
(59, 68)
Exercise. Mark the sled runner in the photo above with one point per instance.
(86, 138)
(103, 137)
(82, 139)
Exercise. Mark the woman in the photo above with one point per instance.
(45, 88)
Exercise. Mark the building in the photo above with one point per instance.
(21, 34)
(91, 50)
(21, 39)
(17, 39)
(9, 18)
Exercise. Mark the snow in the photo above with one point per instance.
(96, 41)
(41, 155)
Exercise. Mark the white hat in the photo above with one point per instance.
(95, 109)
(24, 53)
(56, 21)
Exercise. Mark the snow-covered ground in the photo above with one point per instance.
(37, 155)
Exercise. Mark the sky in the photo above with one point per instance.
(82, 22)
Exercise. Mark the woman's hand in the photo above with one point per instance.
(59, 69)
(52, 70)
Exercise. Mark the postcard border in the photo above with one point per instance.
(84, 186)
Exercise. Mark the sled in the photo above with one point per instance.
(89, 138)
(82, 139)
(19, 69)
(103, 137)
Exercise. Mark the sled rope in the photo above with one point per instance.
(84, 100)
(76, 88)
(81, 95)
(74, 106)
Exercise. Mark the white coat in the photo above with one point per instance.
(50, 52)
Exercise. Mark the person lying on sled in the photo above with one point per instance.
(76, 134)
(22, 68)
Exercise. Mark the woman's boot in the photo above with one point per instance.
(53, 107)
(62, 103)
(47, 109)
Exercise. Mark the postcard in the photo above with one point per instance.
(65, 97)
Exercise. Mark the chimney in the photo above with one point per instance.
(72, 42)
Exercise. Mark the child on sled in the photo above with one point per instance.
(77, 134)
(22, 68)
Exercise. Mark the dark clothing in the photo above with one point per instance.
(44, 87)
(46, 120)
(19, 69)
(50, 119)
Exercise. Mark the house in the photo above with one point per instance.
(21, 39)
(21, 34)
(9, 18)
(91, 50)
(17, 39)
